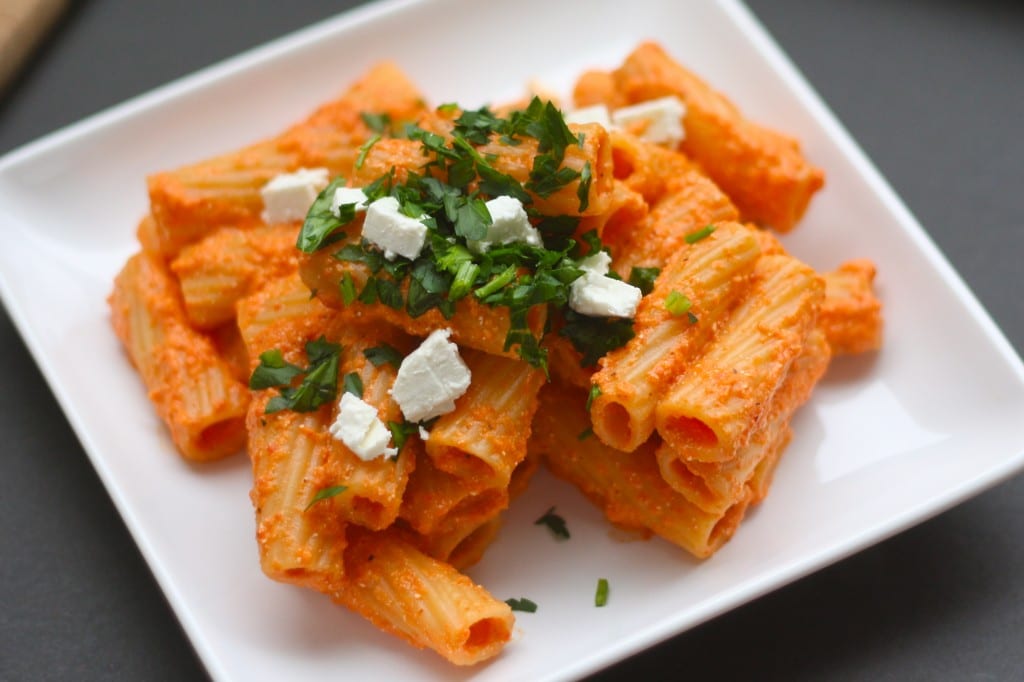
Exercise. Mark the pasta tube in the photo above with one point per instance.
(763, 171)
(191, 387)
(627, 486)
(187, 203)
(713, 273)
(484, 438)
(420, 599)
(714, 486)
(851, 314)
(714, 408)
(228, 264)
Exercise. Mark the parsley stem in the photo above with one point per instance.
(497, 282)
(464, 280)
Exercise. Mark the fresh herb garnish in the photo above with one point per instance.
(643, 278)
(585, 433)
(325, 494)
(378, 123)
(601, 595)
(353, 384)
(348, 289)
(383, 353)
(595, 336)
(595, 391)
(365, 148)
(321, 225)
(319, 383)
(555, 523)
(400, 432)
(677, 303)
(522, 604)
(695, 237)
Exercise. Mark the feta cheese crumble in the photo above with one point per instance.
(595, 114)
(347, 195)
(430, 378)
(390, 229)
(664, 118)
(361, 430)
(288, 196)
(600, 296)
(509, 224)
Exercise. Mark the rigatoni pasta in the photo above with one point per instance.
(404, 309)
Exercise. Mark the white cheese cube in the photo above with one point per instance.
(430, 378)
(348, 195)
(664, 118)
(361, 430)
(288, 196)
(390, 229)
(595, 114)
(598, 263)
(599, 296)
(509, 224)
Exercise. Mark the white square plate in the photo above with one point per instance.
(886, 441)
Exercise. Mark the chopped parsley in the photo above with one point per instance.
(383, 353)
(365, 148)
(448, 193)
(595, 391)
(400, 432)
(353, 384)
(555, 523)
(585, 433)
(522, 604)
(695, 237)
(601, 595)
(677, 303)
(321, 226)
(643, 278)
(319, 384)
(325, 494)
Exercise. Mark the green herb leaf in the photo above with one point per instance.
(695, 237)
(691, 317)
(389, 293)
(348, 289)
(273, 371)
(400, 432)
(522, 604)
(321, 225)
(586, 433)
(643, 278)
(595, 336)
(555, 523)
(601, 595)
(353, 384)
(677, 303)
(318, 386)
(583, 191)
(326, 494)
(365, 148)
(383, 353)
(378, 123)
(595, 391)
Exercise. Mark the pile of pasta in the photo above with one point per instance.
(675, 430)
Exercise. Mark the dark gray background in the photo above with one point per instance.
(934, 92)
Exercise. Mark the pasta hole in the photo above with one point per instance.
(486, 632)
(623, 164)
(462, 464)
(694, 431)
(681, 477)
(618, 425)
(726, 525)
(223, 436)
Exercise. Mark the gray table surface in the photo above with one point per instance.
(933, 91)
